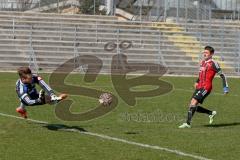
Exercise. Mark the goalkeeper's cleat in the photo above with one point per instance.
(22, 112)
(212, 116)
(55, 99)
(184, 125)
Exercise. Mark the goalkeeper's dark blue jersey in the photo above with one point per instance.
(27, 93)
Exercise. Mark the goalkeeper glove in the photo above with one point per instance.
(39, 101)
(225, 90)
(42, 96)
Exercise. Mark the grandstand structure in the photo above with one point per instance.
(46, 40)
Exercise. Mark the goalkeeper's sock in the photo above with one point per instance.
(190, 114)
(203, 110)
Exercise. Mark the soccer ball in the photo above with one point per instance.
(105, 99)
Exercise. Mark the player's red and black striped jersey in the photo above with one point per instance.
(207, 71)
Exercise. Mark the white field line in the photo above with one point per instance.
(177, 152)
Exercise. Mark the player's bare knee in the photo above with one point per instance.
(194, 102)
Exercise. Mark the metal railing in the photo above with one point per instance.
(237, 54)
(98, 30)
(32, 57)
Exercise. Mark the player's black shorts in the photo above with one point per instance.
(200, 95)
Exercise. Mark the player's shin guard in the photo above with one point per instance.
(190, 114)
(203, 110)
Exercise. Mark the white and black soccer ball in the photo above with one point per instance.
(105, 99)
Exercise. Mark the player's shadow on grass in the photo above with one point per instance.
(62, 127)
(223, 125)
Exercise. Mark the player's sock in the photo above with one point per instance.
(203, 110)
(190, 114)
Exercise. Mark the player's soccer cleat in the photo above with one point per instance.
(184, 125)
(55, 99)
(212, 116)
(22, 112)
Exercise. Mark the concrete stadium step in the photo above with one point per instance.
(64, 55)
(80, 45)
(57, 42)
(214, 32)
(42, 61)
(222, 39)
(227, 26)
(64, 24)
(56, 45)
(184, 70)
(177, 57)
(72, 34)
(91, 50)
(53, 15)
(213, 21)
(130, 51)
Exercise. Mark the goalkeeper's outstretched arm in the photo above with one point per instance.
(30, 102)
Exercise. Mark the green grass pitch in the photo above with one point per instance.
(152, 121)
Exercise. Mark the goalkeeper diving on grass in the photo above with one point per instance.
(203, 86)
(28, 94)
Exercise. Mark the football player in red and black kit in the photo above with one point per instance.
(203, 86)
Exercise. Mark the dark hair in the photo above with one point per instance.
(24, 71)
(210, 49)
